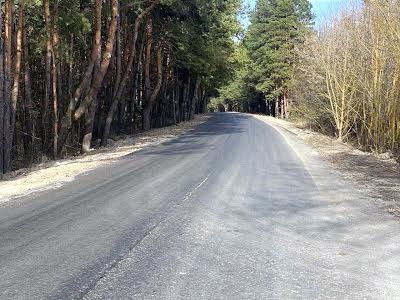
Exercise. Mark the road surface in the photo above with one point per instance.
(233, 209)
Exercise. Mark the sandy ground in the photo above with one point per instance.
(379, 175)
(53, 174)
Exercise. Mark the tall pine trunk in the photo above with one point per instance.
(2, 99)
(51, 76)
(66, 122)
(147, 110)
(147, 82)
(195, 97)
(7, 84)
(91, 99)
(150, 94)
(29, 136)
(17, 70)
(118, 94)
(186, 94)
(283, 104)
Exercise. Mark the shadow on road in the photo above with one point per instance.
(197, 139)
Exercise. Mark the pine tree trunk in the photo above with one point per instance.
(105, 62)
(285, 106)
(174, 94)
(56, 62)
(114, 103)
(267, 111)
(2, 99)
(276, 107)
(70, 66)
(195, 97)
(7, 84)
(186, 91)
(55, 105)
(153, 95)
(47, 96)
(51, 74)
(121, 86)
(17, 70)
(91, 100)
(89, 123)
(66, 122)
(27, 102)
(177, 99)
(136, 91)
(204, 101)
(149, 94)
(149, 41)
(146, 118)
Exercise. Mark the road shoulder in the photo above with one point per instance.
(376, 176)
(51, 175)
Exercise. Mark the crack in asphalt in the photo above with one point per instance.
(123, 257)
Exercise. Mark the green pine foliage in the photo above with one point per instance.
(268, 50)
(191, 43)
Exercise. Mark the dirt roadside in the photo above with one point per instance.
(377, 174)
(55, 173)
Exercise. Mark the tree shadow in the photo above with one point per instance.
(202, 137)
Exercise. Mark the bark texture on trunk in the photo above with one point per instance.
(195, 98)
(105, 62)
(276, 107)
(152, 96)
(285, 105)
(17, 70)
(51, 73)
(7, 84)
(122, 84)
(66, 122)
(28, 140)
(185, 95)
(91, 100)
(2, 100)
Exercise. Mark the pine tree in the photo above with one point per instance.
(76, 71)
(277, 28)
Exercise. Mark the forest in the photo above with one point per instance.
(341, 78)
(74, 73)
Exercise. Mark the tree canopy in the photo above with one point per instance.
(76, 72)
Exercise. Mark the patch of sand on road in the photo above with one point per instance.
(53, 174)
(379, 175)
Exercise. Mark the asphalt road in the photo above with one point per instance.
(234, 209)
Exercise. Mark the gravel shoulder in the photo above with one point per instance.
(50, 175)
(377, 175)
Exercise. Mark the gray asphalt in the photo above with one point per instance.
(233, 209)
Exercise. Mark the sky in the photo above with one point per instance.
(321, 8)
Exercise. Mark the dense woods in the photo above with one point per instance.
(73, 73)
(342, 78)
